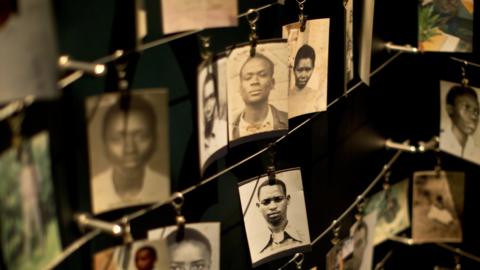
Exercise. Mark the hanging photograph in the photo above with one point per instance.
(459, 116)
(308, 66)
(199, 248)
(348, 16)
(275, 216)
(445, 25)
(437, 206)
(138, 255)
(28, 50)
(184, 15)
(362, 234)
(212, 110)
(339, 255)
(366, 38)
(257, 91)
(30, 235)
(128, 149)
(392, 207)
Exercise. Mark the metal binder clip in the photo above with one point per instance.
(205, 52)
(252, 18)
(336, 232)
(177, 202)
(360, 207)
(302, 18)
(464, 74)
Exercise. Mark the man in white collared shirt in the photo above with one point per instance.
(463, 109)
(273, 204)
(256, 82)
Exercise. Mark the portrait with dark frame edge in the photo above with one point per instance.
(257, 91)
(212, 110)
(128, 149)
(272, 230)
(308, 66)
(198, 247)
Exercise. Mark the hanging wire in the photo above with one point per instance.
(84, 239)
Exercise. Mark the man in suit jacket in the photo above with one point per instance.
(256, 82)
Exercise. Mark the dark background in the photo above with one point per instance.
(339, 151)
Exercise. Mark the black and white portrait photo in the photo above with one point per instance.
(212, 110)
(459, 133)
(435, 209)
(348, 15)
(128, 149)
(275, 216)
(28, 50)
(139, 255)
(362, 233)
(198, 249)
(308, 66)
(392, 207)
(257, 91)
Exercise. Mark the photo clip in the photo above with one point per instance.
(298, 260)
(302, 18)
(205, 51)
(126, 231)
(336, 232)
(272, 180)
(464, 74)
(252, 18)
(65, 63)
(177, 203)
(386, 180)
(360, 202)
(432, 144)
(85, 221)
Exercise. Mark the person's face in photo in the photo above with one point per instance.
(303, 71)
(189, 255)
(209, 101)
(145, 259)
(273, 204)
(129, 139)
(256, 81)
(359, 245)
(464, 113)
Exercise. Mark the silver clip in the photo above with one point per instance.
(66, 63)
(302, 18)
(252, 18)
(177, 203)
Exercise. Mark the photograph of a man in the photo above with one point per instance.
(198, 249)
(392, 207)
(285, 232)
(459, 121)
(133, 140)
(212, 116)
(259, 87)
(139, 255)
(435, 213)
(309, 66)
(362, 233)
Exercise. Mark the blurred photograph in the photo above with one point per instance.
(362, 233)
(212, 111)
(308, 66)
(198, 249)
(436, 213)
(128, 149)
(459, 116)
(445, 25)
(274, 231)
(139, 255)
(339, 255)
(392, 207)
(30, 234)
(348, 15)
(257, 91)
(184, 15)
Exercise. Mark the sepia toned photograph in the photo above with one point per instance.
(436, 209)
(459, 116)
(366, 38)
(275, 216)
(198, 249)
(184, 15)
(362, 233)
(339, 255)
(212, 110)
(308, 66)
(257, 91)
(128, 149)
(28, 50)
(348, 15)
(392, 207)
(138, 255)
(30, 234)
(445, 25)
